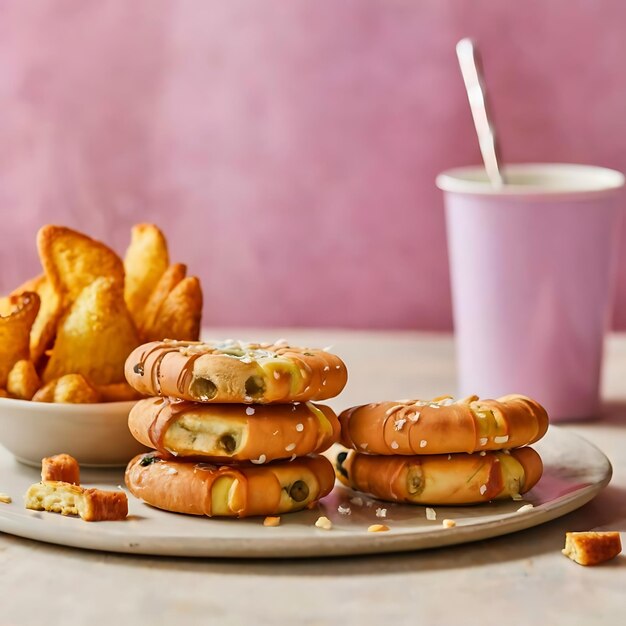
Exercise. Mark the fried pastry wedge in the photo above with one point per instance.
(179, 315)
(69, 389)
(23, 380)
(95, 336)
(17, 314)
(145, 263)
(44, 328)
(72, 261)
(172, 276)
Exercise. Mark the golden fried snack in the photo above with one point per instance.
(95, 336)
(71, 388)
(172, 276)
(233, 432)
(442, 426)
(442, 479)
(145, 263)
(591, 548)
(179, 315)
(72, 261)
(17, 314)
(23, 380)
(117, 392)
(229, 491)
(60, 467)
(232, 371)
(44, 327)
(93, 505)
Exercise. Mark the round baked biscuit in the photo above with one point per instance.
(229, 491)
(443, 425)
(233, 432)
(443, 479)
(232, 371)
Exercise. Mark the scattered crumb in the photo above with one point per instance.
(5, 498)
(448, 523)
(591, 548)
(381, 512)
(271, 521)
(431, 514)
(357, 501)
(250, 410)
(483, 490)
(344, 510)
(517, 497)
(525, 507)
(377, 528)
(324, 523)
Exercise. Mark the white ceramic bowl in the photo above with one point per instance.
(96, 435)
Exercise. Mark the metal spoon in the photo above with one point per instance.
(471, 68)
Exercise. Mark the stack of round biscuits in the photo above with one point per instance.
(442, 451)
(233, 426)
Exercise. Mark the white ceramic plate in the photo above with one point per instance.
(575, 471)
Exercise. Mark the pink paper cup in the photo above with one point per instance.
(532, 269)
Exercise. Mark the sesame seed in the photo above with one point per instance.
(337, 367)
(483, 490)
(381, 512)
(275, 432)
(260, 460)
(483, 441)
(250, 410)
(290, 447)
(517, 496)
(482, 453)
(323, 383)
(326, 368)
(400, 423)
(449, 457)
(276, 375)
(293, 457)
(502, 439)
(299, 427)
(423, 443)
(344, 510)
(431, 514)
(394, 445)
(364, 446)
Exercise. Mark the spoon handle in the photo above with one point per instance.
(471, 69)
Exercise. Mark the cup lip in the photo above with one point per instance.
(559, 179)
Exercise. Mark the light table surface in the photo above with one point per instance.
(516, 579)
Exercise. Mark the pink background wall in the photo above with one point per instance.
(289, 148)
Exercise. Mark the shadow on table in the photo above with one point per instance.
(606, 512)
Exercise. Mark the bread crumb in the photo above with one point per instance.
(271, 521)
(431, 514)
(5, 498)
(591, 548)
(324, 523)
(448, 523)
(377, 528)
(525, 507)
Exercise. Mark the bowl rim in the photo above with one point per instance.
(67, 406)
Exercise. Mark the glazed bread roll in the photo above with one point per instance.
(442, 479)
(236, 372)
(442, 426)
(229, 491)
(233, 432)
